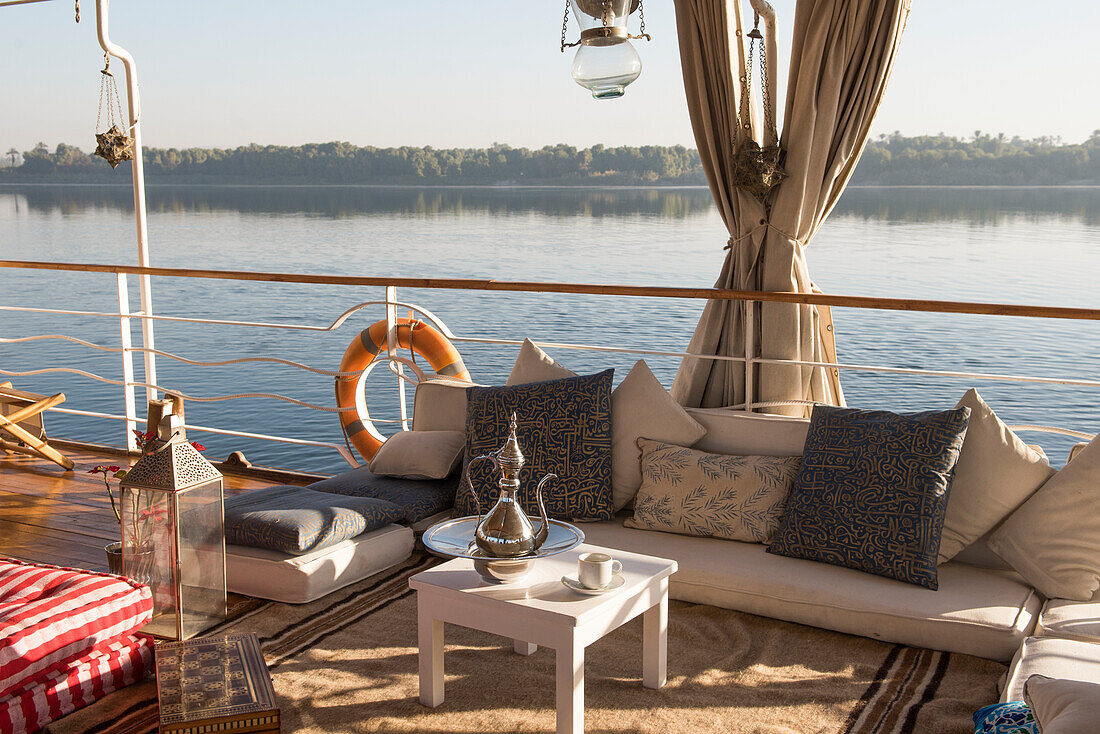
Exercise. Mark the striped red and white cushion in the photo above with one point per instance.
(116, 664)
(50, 616)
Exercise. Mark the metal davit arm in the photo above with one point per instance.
(133, 99)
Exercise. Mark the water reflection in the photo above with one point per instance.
(978, 206)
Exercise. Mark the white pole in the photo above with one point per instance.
(133, 99)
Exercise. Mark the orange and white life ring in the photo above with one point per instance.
(365, 350)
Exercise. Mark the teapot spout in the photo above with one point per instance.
(544, 529)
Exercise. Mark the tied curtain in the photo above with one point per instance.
(842, 53)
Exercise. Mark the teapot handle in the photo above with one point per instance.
(492, 456)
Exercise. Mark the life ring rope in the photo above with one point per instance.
(369, 349)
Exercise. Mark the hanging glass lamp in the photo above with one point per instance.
(606, 61)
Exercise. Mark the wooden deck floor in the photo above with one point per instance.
(50, 515)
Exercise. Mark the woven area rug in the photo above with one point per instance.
(348, 663)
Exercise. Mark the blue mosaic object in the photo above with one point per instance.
(419, 498)
(297, 520)
(1014, 717)
(564, 428)
(872, 491)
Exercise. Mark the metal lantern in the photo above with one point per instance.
(606, 61)
(173, 535)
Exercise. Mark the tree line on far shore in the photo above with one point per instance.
(895, 159)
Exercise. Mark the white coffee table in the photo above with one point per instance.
(541, 611)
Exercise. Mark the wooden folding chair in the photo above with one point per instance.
(21, 420)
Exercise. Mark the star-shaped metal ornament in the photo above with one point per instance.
(114, 147)
(757, 170)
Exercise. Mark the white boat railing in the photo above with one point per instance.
(396, 364)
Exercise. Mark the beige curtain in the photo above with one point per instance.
(841, 57)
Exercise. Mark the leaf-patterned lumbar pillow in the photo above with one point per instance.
(711, 495)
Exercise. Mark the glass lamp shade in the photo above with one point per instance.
(606, 70)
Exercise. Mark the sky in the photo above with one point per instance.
(452, 74)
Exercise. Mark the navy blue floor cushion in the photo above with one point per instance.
(419, 498)
(297, 519)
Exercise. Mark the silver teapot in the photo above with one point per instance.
(505, 531)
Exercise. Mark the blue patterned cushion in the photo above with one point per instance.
(297, 520)
(419, 498)
(1014, 717)
(872, 491)
(564, 429)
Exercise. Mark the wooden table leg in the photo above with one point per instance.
(655, 644)
(430, 633)
(524, 648)
(570, 685)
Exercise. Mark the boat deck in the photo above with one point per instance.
(49, 515)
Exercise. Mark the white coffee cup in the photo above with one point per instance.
(594, 570)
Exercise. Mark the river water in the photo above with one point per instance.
(1036, 246)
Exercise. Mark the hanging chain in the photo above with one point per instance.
(77, 11)
(108, 89)
(608, 15)
(641, 19)
(565, 29)
(769, 120)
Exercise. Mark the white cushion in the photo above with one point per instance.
(1054, 658)
(420, 454)
(996, 472)
(749, 434)
(440, 405)
(1063, 706)
(299, 579)
(976, 611)
(1070, 620)
(1053, 540)
(535, 365)
(642, 408)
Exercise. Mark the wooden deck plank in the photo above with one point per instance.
(49, 515)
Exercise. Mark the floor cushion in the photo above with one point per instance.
(297, 519)
(1063, 706)
(50, 616)
(121, 662)
(299, 579)
(1054, 658)
(1071, 620)
(976, 611)
(419, 498)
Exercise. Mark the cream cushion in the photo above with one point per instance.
(738, 432)
(440, 405)
(1052, 657)
(1053, 540)
(535, 365)
(1071, 620)
(996, 472)
(419, 454)
(642, 408)
(711, 495)
(1063, 706)
(976, 611)
(299, 579)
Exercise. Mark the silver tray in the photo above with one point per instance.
(455, 539)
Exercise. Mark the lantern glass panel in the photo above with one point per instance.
(202, 557)
(173, 541)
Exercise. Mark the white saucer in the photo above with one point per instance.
(617, 582)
